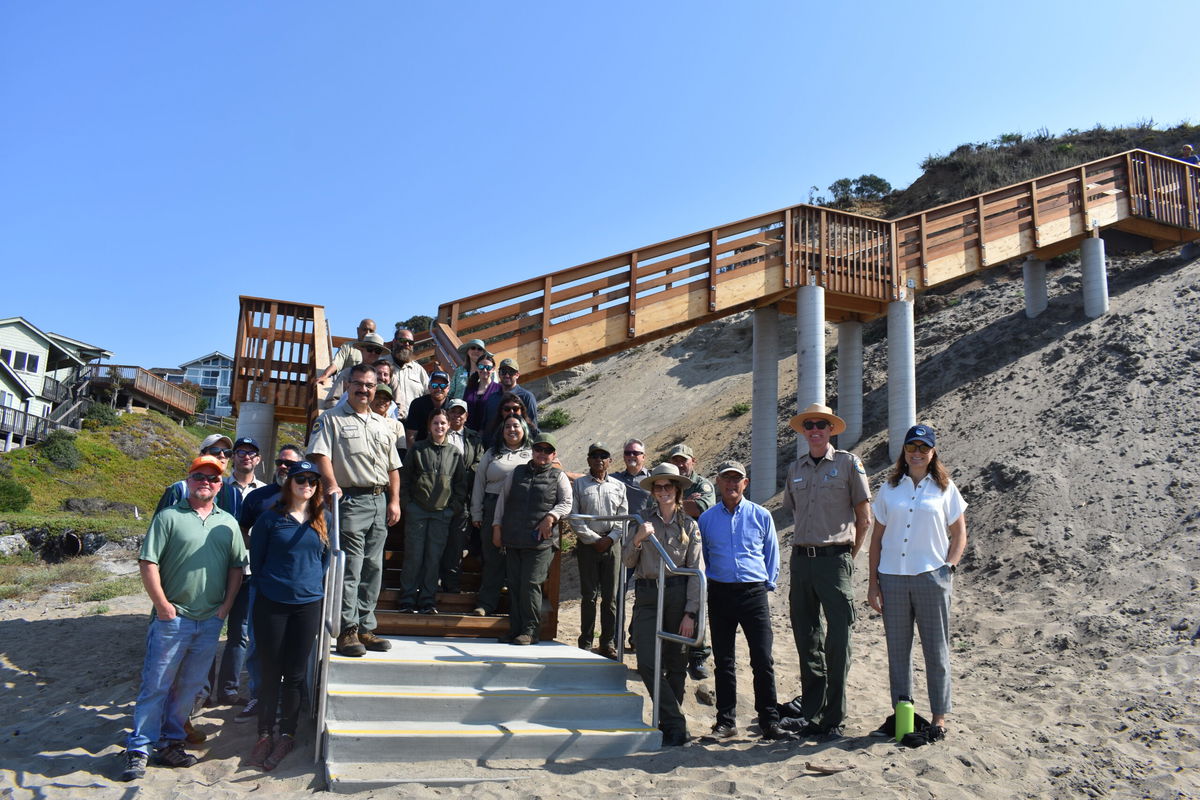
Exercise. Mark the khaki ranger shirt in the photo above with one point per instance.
(681, 539)
(361, 448)
(409, 381)
(822, 497)
(606, 498)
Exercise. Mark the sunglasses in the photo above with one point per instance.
(542, 448)
(663, 487)
(200, 477)
(484, 367)
(507, 371)
(402, 343)
(819, 424)
(279, 462)
(511, 410)
(917, 447)
(376, 350)
(599, 456)
(635, 452)
(438, 385)
(245, 453)
(305, 480)
(217, 451)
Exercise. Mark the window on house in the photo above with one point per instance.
(26, 362)
(209, 377)
(7, 398)
(6, 356)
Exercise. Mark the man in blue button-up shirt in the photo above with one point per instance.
(741, 560)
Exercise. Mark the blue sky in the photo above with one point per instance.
(159, 159)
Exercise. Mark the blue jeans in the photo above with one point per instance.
(239, 646)
(178, 655)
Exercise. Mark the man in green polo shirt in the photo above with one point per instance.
(191, 566)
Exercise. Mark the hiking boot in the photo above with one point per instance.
(262, 749)
(348, 644)
(249, 712)
(723, 730)
(284, 746)
(773, 731)
(522, 639)
(173, 755)
(609, 652)
(697, 669)
(192, 735)
(135, 765)
(369, 640)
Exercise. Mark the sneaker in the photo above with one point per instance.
(248, 713)
(429, 610)
(793, 724)
(192, 735)
(284, 746)
(369, 640)
(135, 765)
(723, 730)
(173, 755)
(348, 644)
(262, 749)
(479, 611)
(698, 670)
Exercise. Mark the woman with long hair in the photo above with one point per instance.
(471, 352)
(680, 536)
(511, 449)
(289, 554)
(481, 386)
(510, 406)
(919, 538)
(433, 487)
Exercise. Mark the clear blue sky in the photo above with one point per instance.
(159, 159)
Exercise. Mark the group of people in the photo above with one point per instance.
(459, 456)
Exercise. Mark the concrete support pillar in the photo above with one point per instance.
(764, 424)
(1035, 286)
(850, 382)
(902, 374)
(1095, 277)
(257, 420)
(810, 351)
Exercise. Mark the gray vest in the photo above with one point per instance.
(530, 497)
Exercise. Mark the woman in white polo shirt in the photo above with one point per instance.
(920, 535)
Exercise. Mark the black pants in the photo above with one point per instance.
(284, 634)
(745, 604)
(450, 570)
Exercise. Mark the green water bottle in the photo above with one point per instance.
(904, 717)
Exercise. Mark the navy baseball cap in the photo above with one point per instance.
(921, 433)
(301, 467)
(246, 440)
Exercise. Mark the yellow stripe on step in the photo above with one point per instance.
(501, 732)
(484, 693)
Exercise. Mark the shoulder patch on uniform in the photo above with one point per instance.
(316, 427)
(858, 467)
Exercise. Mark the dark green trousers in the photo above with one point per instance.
(674, 656)
(822, 613)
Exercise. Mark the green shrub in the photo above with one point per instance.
(60, 448)
(13, 496)
(554, 420)
(738, 409)
(101, 415)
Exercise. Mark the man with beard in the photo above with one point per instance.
(417, 419)
(410, 380)
(356, 453)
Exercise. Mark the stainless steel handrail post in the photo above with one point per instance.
(331, 613)
(665, 565)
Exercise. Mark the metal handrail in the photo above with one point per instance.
(331, 613)
(665, 564)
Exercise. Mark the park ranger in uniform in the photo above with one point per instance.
(355, 451)
(697, 498)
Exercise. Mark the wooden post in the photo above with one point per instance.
(547, 289)
(712, 270)
(982, 244)
(924, 250)
(824, 251)
(632, 319)
(789, 259)
(1033, 206)
(1151, 200)
(1083, 198)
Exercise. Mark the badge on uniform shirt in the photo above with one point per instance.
(858, 467)
(831, 474)
(317, 426)
(350, 431)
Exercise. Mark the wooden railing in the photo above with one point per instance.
(146, 383)
(281, 347)
(22, 423)
(53, 389)
(1164, 189)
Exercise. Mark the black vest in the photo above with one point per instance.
(530, 497)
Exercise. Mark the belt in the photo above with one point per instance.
(355, 491)
(822, 550)
(650, 583)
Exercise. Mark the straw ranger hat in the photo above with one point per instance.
(665, 472)
(818, 411)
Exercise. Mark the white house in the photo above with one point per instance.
(213, 373)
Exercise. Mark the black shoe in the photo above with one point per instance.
(888, 729)
(791, 708)
(698, 670)
(429, 610)
(675, 739)
(927, 735)
(135, 766)
(832, 734)
(173, 755)
(723, 730)
(773, 731)
(793, 724)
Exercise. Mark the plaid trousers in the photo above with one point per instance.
(925, 599)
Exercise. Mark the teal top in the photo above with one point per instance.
(194, 557)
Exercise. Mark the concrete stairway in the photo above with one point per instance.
(453, 711)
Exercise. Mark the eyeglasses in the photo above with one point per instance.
(438, 385)
(635, 452)
(819, 424)
(306, 479)
(915, 447)
(543, 448)
(200, 477)
(279, 462)
(363, 384)
(220, 452)
(402, 343)
(484, 367)
(376, 350)
(245, 453)
(599, 456)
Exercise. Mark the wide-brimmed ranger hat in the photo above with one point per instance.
(668, 472)
(465, 346)
(372, 340)
(818, 411)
